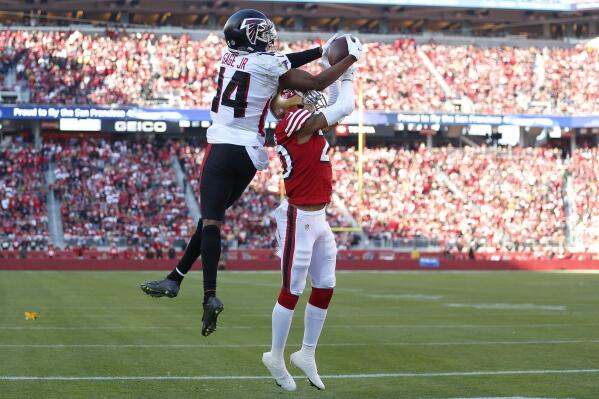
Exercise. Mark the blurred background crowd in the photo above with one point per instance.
(70, 67)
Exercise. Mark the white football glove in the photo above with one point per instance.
(354, 46)
(324, 60)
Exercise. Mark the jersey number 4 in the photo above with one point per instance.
(240, 81)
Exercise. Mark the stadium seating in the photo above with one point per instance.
(149, 69)
(494, 79)
(491, 200)
(501, 80)
(119, 193)
(125, 193)
(23, 217)
(459, 197)
(585, 174)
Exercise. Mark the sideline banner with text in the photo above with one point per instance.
(374, 118)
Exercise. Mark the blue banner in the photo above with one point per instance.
(371, 118)
(50, 112)
(429, 262)
(547, 121)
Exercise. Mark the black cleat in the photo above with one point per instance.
(160, 288)
(212, 308)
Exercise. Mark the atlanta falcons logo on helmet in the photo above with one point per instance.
(251, 26)
(259, 29)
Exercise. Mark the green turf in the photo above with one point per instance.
(379, 322)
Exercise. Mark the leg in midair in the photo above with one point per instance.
(170, 285)
(210, 251)
(225, 181)
(191, 254)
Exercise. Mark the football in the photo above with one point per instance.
(338, 50)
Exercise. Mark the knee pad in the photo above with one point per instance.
(320, 297)
(287, 299)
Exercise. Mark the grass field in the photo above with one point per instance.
(388, 335)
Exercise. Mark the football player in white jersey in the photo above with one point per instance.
(248, 77)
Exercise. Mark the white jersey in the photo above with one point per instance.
(246, 83)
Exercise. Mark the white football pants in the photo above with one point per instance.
(306, 246)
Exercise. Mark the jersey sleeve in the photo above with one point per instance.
(296, 120)
(292, 123)
(275, 64)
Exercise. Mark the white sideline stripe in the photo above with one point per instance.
(404, 296)
(264, 377)
(329, 326)
(510, 306)
(372, 344)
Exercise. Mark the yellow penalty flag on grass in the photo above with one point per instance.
(30, 315)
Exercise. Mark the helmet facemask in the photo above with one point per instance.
(286, 100)
(268, 34)
(315, 99)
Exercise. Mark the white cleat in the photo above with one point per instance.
(307, 364)
(278, 370)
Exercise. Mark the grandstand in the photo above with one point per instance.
(470, 163)
(483, 144)
(71, 67)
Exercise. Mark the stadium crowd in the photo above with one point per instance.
(116, 68)
(116, 193)
(23, 217)
(585, 174)
(500, 80)
(491, 200)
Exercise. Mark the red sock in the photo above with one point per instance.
(321, 297)
(287, 299)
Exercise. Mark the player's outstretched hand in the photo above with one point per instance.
(354, 46)
(324, 60)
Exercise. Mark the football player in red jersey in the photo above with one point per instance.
(306, 242)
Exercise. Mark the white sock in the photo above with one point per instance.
(281, 323)
(313, 322)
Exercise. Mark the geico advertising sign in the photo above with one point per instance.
(140, 126)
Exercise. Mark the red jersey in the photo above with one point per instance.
(306, 167)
